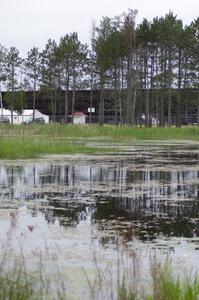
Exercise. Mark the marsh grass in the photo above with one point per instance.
(107, 131)
(32, 147)
(120, 281)
(28, 278)
(116, 132)
(36, 140)
(167, 285)
(161, 282)
(17, 284)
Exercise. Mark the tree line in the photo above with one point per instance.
(152, 62)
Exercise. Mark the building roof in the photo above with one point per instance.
(79, 114)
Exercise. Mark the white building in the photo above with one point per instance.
(79, 118)
(26, 116)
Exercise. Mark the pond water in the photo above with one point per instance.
(146, 196)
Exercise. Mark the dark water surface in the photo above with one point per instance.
(148, 194)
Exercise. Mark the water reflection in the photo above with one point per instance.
(143, 193)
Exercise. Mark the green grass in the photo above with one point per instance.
(32, 147)
(17, 286)
(169, 287)
(20, 284)
(35, 140)
(106, 131)
(165, 285)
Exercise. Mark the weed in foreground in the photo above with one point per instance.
(21, 281)
(117, 280)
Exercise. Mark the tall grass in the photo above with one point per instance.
(32, 147)
(106, 131)
(32, 141)
(129, 281)
(28, 278)
(123, 281)
(166, 285)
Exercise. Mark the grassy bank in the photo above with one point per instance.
(35, 140)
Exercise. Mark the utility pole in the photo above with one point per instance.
(1, 103)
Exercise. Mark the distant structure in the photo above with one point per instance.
(25, 117)
(79, 118)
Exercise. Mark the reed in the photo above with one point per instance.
(36, 140)
(95, 131)
(167, 285)
(32, 147)
(124, 282)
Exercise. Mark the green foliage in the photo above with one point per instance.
(48, 65)
(13, 61)
(19, 103)
(171, 288)
(17, 285)
(33, 67)
(3, 53)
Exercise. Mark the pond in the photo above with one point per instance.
(146, 195)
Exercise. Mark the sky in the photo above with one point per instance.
(28, 23)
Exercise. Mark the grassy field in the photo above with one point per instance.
(34, 140)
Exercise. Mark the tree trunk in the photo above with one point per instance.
(13, 95)
(67, 80)
(91, 96)
(198, 111)
(129, 107)
(162, 118)
(73, 100)
(52, 105)
(120, 100)
(147, 121)
(146, 79)
(101, 105)
(169, 109)
(134, 104)
(34, 100)
(55, 105)
(179, 117)
(66, 101)
(157, 108)
(1, 103)
(116, 95)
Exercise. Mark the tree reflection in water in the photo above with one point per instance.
(146, 193)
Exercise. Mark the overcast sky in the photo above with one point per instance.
(28, 23)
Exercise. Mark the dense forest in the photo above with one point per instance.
(149, 69)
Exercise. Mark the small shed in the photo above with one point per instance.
(79, 118)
